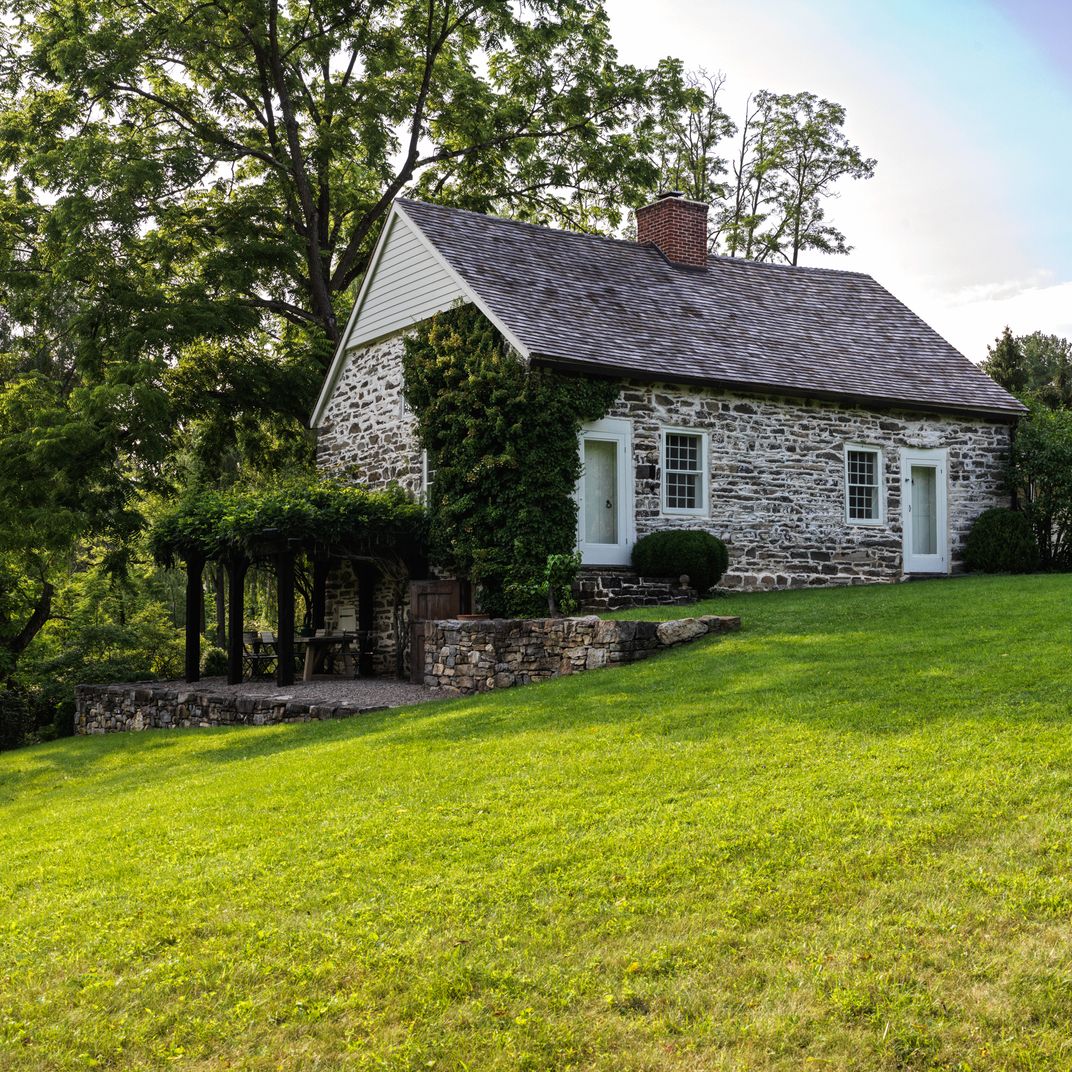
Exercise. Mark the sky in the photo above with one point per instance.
(966, 105)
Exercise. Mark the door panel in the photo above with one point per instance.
(605, 494)
(924, 507)
(601, 491)
(924, 510)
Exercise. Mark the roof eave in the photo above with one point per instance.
(596, 368)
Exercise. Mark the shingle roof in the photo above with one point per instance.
(614, 306)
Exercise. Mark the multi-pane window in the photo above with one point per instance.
(863, 484)
(684, 472)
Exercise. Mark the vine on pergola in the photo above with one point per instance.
(319, 516)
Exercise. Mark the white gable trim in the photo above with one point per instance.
(467, 290)
(352, 335)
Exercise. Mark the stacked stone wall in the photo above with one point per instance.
(368, 434)
(618, 589)
(475, 656)
(123, 708)
(777, 480)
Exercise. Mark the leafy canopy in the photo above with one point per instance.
(1035, 367)
(770, 187)
(303, 512)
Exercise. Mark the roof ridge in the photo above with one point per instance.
(625, 242)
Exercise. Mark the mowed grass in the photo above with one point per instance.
(839, 839)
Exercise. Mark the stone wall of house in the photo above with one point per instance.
(368, 433)
(390, 616)
(475, 656)
(777, 479)
(608, 588)
(120, 708)
(777, 482)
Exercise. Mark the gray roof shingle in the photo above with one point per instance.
(613, 306)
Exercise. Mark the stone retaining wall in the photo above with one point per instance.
(474, 656)
(601, 588)
(115, 708)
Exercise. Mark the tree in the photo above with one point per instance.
(1005, 363)
(1041, 472)
(689, 139)
(1036, 367)
(790, 154)
(189, 194)
(242, 154)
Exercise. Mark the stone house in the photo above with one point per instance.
(804, 415)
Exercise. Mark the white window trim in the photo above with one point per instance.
(880, 469)
(705, 473)
(425, 485)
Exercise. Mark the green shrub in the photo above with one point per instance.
(676, 552)
(214, 662)
(1041, 472)
(550, 594)
(1001, 541)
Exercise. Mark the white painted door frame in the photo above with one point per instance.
(916, 562)
(619, 432)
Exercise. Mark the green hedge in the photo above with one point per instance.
(1001, 541)
(676, 552)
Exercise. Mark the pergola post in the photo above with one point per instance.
(195, 600)
(366, 595)
(318, 611)
(236, 614)
(284, 663)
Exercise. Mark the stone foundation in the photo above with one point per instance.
(120, 708)
(608, 588)
(475, 656)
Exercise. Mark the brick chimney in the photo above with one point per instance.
(677, 226)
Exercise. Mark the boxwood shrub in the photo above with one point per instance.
(682, 551)
(1001, 541)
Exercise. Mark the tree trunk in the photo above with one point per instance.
(42, 612)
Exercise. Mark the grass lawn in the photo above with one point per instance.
(839, 839)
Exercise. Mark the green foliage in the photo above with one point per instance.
(213, 662)
(838, 839)
(502, 444)
(1035, 367)
(550, 594)
(16, 720)
(677, 552)
(306, 512)
(768, 189)
(1041, 472)
(1001, 541)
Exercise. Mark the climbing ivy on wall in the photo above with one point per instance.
(502, 446)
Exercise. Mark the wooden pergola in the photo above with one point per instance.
(324, 520)
(282, 559)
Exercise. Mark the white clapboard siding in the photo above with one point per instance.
(408, 285)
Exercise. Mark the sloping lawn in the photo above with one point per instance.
(839, 839)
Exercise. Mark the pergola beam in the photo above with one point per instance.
(236, 614)
(195, 601)
(284, 663)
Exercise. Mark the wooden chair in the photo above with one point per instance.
(258, 654)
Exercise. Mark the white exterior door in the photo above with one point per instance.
(923, 506)
(604, 494)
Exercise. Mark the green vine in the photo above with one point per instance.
(503, 450)
(307, 513)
